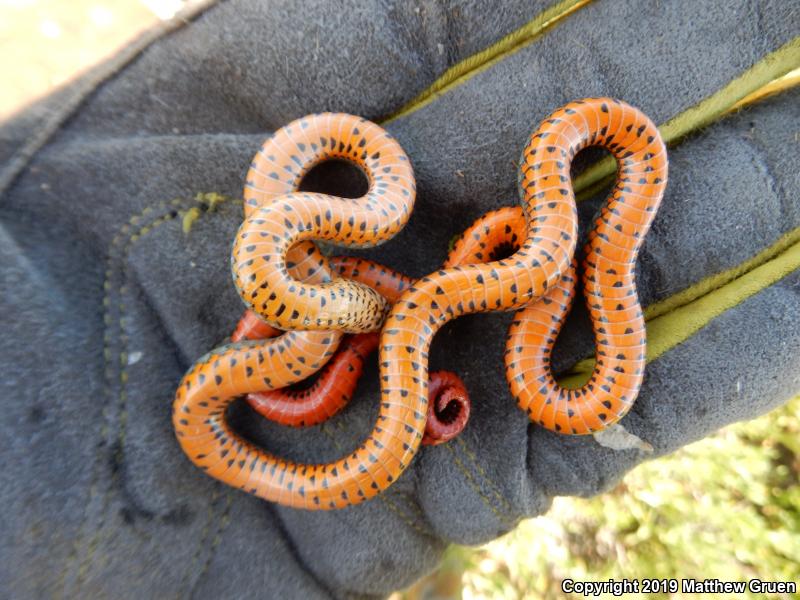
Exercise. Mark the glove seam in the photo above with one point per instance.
(469, 67)
(408, 520)
(222, 524)
(472, 482)
(119, 248)
(111, 260)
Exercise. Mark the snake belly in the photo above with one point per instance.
(449, 403)
(260, 261)
(544, 257)
(542, 268)
(336, 382)
(277, 169)
(609, 285)
(608, 278)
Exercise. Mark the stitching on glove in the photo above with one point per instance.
(494, 488)
(221, 525)
(472, 483)
(224, 520)
(118, 250)
(209, 203)
(111, 259)
(408, 520)
(515, 41)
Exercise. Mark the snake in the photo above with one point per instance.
(277, 169)
(539, 272)
(449, 403)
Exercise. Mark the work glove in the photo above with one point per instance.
(121, 195)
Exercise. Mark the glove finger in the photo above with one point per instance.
(249, 66)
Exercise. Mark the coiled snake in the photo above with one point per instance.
(449, 403)
(280, 275)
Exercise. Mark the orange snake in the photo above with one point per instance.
(282, 276)
(449, 403)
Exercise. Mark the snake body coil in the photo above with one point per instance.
(537, 270)
(264, 245)
(449, 403)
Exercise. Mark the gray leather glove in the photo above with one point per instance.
(115, 234)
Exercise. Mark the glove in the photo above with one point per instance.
(122, 193)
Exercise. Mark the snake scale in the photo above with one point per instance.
(449, 404)
(281, 275)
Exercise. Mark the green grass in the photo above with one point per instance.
(727, 507)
